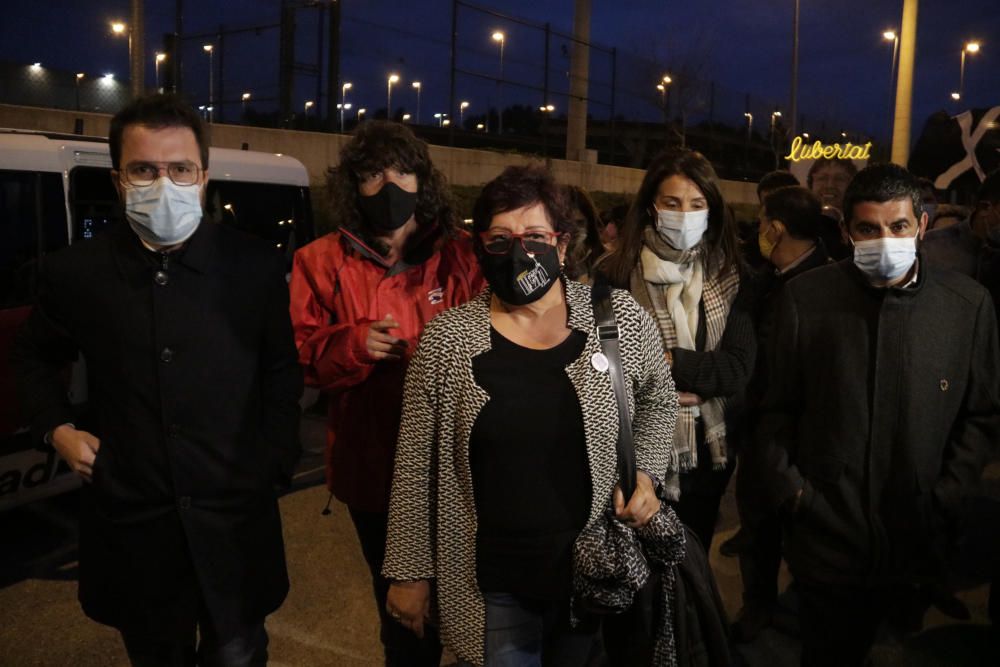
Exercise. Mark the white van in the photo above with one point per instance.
(56, 190)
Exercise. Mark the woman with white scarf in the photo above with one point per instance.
(678, 256)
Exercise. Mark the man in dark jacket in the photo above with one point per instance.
(791, 222)
(193, 404)
(883, 403)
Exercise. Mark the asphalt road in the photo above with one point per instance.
(329, 617)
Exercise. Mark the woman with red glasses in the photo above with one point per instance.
(507, 449)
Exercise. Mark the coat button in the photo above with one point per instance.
(166, 355)
(184, 502)
(944, 385)
(161, 278)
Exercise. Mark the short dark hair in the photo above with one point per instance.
(377, 145)
(989, 191)
(774, 180)
(520, 186)
(881, 183)
(798, 209)
(846, 164)
(157, 111)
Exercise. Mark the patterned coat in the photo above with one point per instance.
(432, 511)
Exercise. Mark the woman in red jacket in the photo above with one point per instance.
(360, 298)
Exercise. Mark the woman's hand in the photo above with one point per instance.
(643, 505)
(409, 602)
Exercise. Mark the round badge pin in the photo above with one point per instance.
(600, 362)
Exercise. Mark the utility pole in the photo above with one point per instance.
(904, 85)
(333, 68)
(137, 50)
(579, 78)
(286, 64)
(793, 106)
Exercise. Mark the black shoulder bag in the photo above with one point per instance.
(607, 334)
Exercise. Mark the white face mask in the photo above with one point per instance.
(885, 259)
(682, 229)
(163, 213)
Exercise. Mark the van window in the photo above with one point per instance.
(275, 213)
(93, 200)
(32, 222)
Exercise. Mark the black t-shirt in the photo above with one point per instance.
(530, 474)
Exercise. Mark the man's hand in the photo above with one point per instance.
(77, 448)
(688, 400)
(643, 505)
(381, 345)
(409, 602)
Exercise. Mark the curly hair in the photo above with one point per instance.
(520, 186)
(377, 145)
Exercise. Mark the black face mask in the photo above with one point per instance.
(389, 208)
(517, 277)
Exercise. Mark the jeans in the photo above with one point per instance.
(521, 633)
(246, 647)
(402, 647)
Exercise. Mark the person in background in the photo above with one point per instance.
(360, 298)
(192, 420)
(828, 179)
(790, 225)
(882, 404)
(749, 247)
(678, 255)
(613, 220)
(507, 449)
(587, 245)
(947, 215)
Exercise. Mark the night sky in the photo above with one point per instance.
(743, 45)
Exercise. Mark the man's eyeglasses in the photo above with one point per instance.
(142, 174)
(499, 241)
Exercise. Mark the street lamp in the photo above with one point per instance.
(664, 88)
(308, 105)
(461, 113)
(79, 76)
(891, 36)
(343, 103)
(441, 118)
(406, 117)
(244, 98)
(548, 108)
(775, 115)
(501, 39)
(160, 57)
(393, 78)
(210, 50)
(970, 47)
(416, 85)
(480, 127)
(956, 96)
(361, 112)
(120, 28)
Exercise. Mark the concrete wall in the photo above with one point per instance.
(318, 150)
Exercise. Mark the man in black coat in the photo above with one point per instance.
(882, 406)
(791, 223)
(193, 412)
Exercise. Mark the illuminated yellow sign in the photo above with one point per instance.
(802, 151)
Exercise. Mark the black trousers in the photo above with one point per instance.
(244, 647)
(402, 647)
(701, 494)
(760, 562)
(839, 624)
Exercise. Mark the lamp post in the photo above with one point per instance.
(971, 47)
(416, 85)
(361, 112)
(500, 38)
(120, 28)
(891, 36)
(244, 98)
(343, 103)
(79, 76)
(308, 105)
(546, 110)
(746, 146)
(775, 115)
(461, 114)
(441, 119)
(393, 78)
(210, 50)
(160, 57)
(406, 117)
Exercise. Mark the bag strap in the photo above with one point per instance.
(607, 334)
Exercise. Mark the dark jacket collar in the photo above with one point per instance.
(197, 253)
(898, 291)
